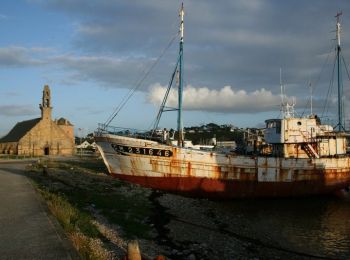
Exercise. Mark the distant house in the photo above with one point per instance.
(94, 145)
(87, 145)
(40, 136)
(83, 145)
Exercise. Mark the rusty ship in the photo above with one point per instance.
(300, 156)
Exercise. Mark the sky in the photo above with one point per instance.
(92, 53)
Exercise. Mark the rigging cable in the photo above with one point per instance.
(346, 67)
(329, 92)
(138, 85)
(162, 106)
(317, 80)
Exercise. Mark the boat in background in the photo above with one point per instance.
(299, 156)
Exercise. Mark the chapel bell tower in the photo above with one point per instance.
(45, 106)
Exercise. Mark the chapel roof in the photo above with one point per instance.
(19, 130)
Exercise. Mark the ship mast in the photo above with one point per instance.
(340, 82)
(180, 140)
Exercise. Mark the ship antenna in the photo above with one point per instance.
(340, 82)
(284, 106)
(287, 109)
(282, 92)
(180, 141)
(310, 85)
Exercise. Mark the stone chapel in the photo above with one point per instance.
(40, 136)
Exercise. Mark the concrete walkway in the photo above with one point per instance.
(27, 230)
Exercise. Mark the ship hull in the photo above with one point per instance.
(229, 189)
(212, 175)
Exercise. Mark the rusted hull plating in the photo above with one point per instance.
(225, 189)
(206, 174)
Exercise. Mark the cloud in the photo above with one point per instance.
(12, 94)
(225, 100)
(19, 57)
(108, 71)
(240, 43)
(89, 110)
(17, 110)
(234, 43)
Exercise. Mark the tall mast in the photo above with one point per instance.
(340, 81)
(179, 116)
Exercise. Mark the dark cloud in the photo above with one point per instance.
(237, 43)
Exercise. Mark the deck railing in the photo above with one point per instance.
(132, 132)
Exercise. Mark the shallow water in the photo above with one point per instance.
(309, 227)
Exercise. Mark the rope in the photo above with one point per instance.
(138, 85)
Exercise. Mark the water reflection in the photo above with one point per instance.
(318, 226)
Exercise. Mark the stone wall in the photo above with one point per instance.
(8, 148)
(68, 130)
(46, 138)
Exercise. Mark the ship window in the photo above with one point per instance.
(278, 127)
(299, 123)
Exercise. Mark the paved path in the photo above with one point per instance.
(27, 230)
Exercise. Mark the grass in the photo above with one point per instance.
(69, 216)
(78, 225)
(129, 213)
(72, 188)
(92, 165)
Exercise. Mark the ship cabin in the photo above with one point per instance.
(304, 138)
